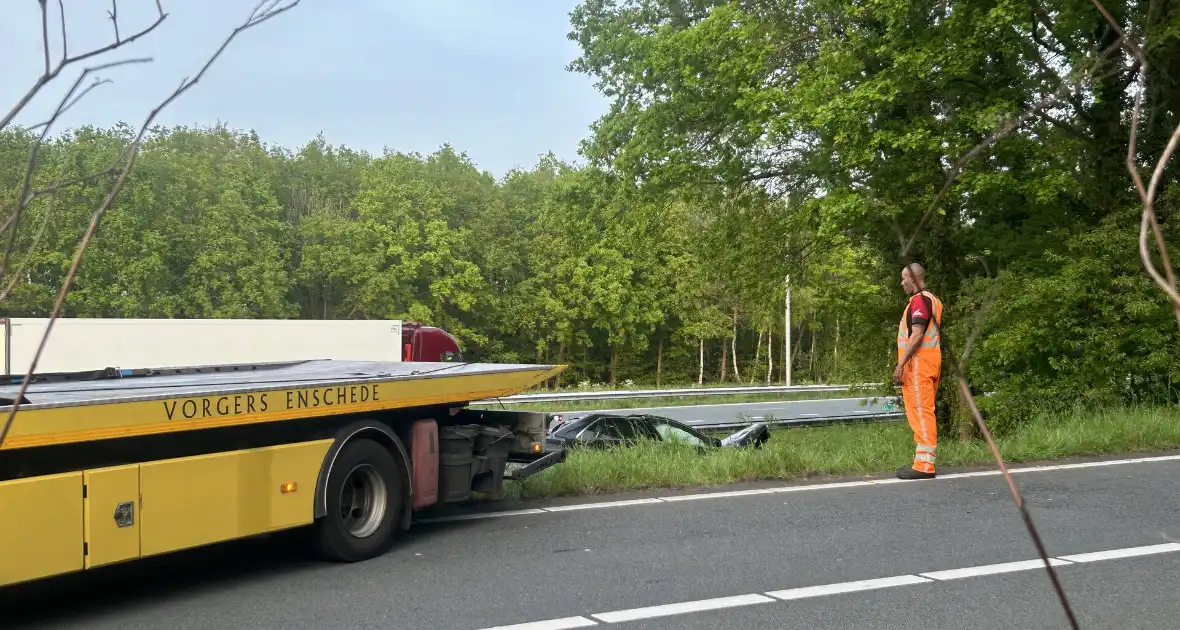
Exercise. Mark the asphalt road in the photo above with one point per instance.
(571, 562)
(785, 412)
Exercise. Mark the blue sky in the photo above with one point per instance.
(486, 76)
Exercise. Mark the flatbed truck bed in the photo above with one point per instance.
(108, 466)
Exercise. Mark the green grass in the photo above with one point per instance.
(672, 401)
(845, 449)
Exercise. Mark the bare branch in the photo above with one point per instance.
(114, 15)
(32, 248)
(65, 49)
(45, 34)
(1037, 109)
(67, 101)
(1004, 131)
(1166, 280)
(965, 390)
(66, 61)
(1168, 284)
(258, 16)
(66, 183)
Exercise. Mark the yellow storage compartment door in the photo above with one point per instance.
(112, 515)
(40, 527)
(194, 501)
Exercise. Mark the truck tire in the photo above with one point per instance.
(365, 496)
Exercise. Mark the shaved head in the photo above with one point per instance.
(917, 270)
(913, 278)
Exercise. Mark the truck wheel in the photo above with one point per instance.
(365, 494)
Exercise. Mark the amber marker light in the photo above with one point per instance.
(287, 487)
(538, 447)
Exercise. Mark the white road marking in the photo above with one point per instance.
(607, 504)
(668, 610)
(1129, 552)
(992, 569)
(823, 590)
(552, 624)
(721, 494)
(847, 587)
(479, 515)
(714, 495)
(809, 415)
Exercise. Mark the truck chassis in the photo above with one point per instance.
(110, 466)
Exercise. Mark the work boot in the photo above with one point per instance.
(908, 472)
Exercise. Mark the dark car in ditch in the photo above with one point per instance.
(603, 430)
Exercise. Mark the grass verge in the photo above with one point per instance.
(845, 449)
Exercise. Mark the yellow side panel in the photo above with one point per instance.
(66, 424)
(40, 527)
(195, 501)
(112, 514)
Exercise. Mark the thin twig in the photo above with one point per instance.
(71, 97)
(1062, 91)
(960, 368)
(1166, 280)
(257, 16)
(45, 34)
(51, 74)
(965, 390)
(65, 48)
(114, 15)
(16, 275)
(66, 183)
(1147, 196)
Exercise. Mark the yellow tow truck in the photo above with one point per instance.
(109, 466)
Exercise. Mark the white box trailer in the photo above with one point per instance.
(79, 344)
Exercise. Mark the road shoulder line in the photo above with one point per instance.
(722, 494)
(824, 590)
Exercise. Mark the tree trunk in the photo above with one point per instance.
(659, 361)
(798, 349)
(736, 375)
(769, 354)
(836, 351)
(614, 365)
(812, 364)
(724, 358)
(787, 350)
(327, 285)
(560, 359)
(701, 371)
(757, 357)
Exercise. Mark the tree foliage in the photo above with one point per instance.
(984, 138)
(748, 142)
(556, 263)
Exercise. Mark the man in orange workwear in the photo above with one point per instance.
(919, 364)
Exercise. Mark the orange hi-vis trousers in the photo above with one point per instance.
(920, 383)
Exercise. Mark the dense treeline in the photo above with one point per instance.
(856, 115)
(556, 263)
(747, 143)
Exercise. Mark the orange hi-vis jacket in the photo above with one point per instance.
(920, 375)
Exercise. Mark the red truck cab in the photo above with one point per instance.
(428, 344)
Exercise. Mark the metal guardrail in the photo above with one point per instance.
(674, 393)
(803, 422)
